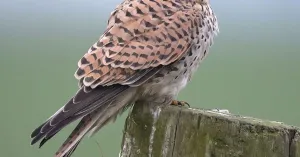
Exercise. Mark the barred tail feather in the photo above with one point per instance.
(69, 146)
(95, 121)
(96, 107)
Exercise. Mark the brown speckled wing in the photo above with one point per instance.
(140, 35)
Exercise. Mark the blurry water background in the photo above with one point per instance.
(253, 68)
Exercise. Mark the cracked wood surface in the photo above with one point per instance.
(154, 131)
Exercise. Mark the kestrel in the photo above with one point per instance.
(148, 52)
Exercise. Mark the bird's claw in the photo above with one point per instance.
(180, 103)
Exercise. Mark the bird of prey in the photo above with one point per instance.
(148, 52)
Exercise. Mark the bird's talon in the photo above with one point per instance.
(180, 103)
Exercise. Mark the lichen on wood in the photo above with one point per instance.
(168, 131)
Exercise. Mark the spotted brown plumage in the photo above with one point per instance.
(148, 52)
(139, 35)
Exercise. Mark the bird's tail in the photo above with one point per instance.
(96, 107)
(94, 121)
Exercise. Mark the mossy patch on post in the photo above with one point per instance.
(168, 131)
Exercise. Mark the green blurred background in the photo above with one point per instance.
(253, 70)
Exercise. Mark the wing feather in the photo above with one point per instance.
(138, 36)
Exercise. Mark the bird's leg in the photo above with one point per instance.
(169, 99)
(179, 103)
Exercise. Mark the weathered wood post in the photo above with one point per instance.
(170, 131)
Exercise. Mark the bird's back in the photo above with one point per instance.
(202, 30)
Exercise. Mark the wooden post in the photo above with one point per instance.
(170, 131)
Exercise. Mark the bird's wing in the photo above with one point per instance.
(80, 105)
(140, 35)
